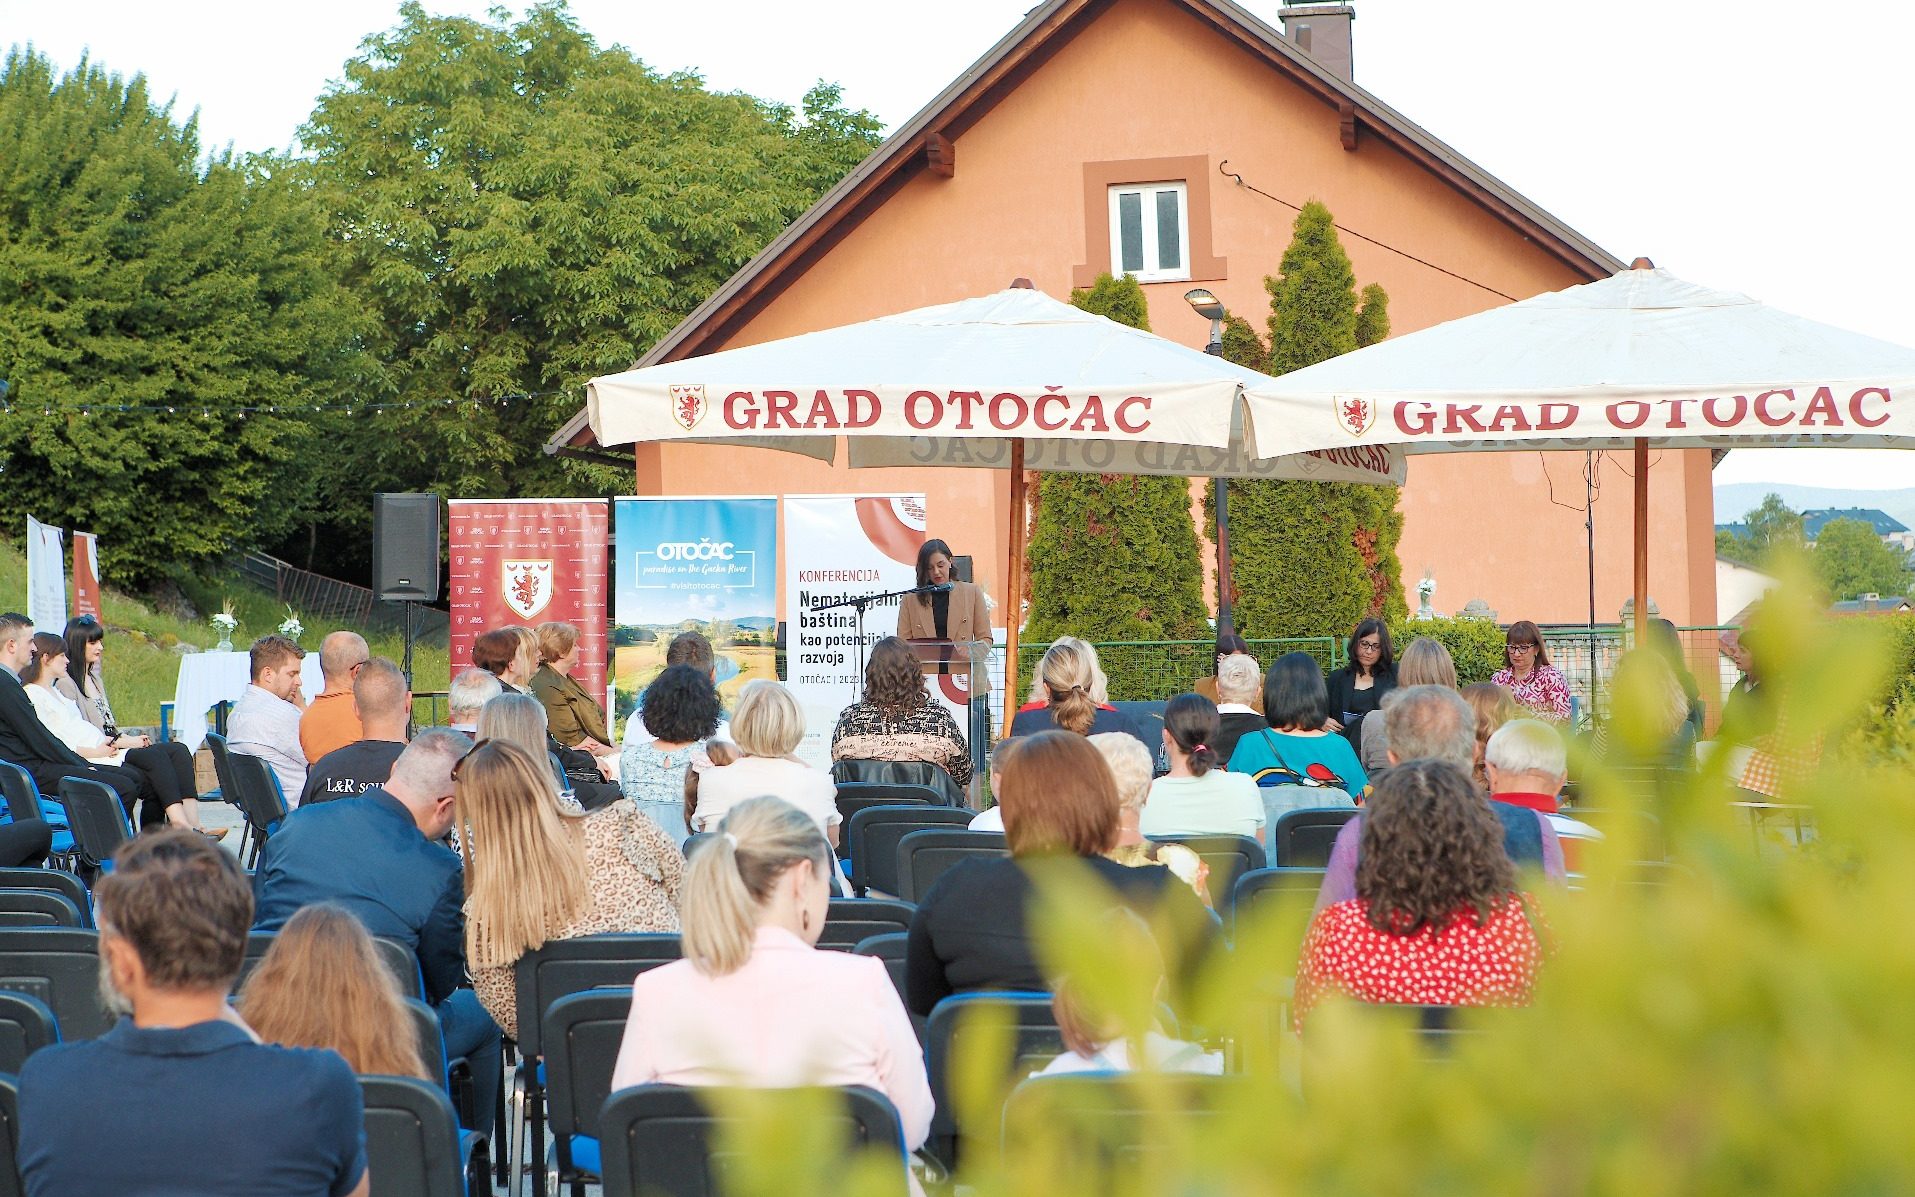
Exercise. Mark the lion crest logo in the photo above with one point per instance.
(527, 586)
(1355, 415)
(688, 404)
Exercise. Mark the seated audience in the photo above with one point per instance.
(171, 788)
(680, 710)
(330, 721)
(265, 721)
(168, 768)
(1425, 663)
(686, 648)
(502, 653)
(1296, 763)
(1356, 689)
(1744, 713)
(1198, 796)
(1130, 770)
(1437, 919)
(26, 742)
(897, 720)
(323, 984)
(535, 872)
(754, 1002)
(1229, 644)
(382, 702)
(1060, 806)
(1240, 705)
(1666, 642)
(179, 1097)
(1527, 765)
(1536, 685)
(1126, 1034)
(519, 719)
(1648, 730)
(85, 682)
(767, 727)
(574, 717)
(467, 696)
(381, 857)
(1434, 723)
(1069, 693)
(1493, 707)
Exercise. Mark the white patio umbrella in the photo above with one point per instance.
(1014, 380)
(1641, 359)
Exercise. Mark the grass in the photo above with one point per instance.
(142, 657)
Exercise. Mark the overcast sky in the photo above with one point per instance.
(1752, 145)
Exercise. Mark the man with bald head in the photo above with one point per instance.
(382, 705)
(329, 721)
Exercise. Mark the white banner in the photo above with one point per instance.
(46, 577)
(839, 547)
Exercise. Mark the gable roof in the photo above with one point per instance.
(1884, 524)
(1042, 33)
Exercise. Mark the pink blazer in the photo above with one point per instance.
(791, 1016)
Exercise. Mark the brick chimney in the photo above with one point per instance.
(1323, 32)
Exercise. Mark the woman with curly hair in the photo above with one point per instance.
(897, 721)
(1437, 919)
(680, 709)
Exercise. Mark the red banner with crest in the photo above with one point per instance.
(530, 561)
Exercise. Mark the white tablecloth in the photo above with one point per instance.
(208, 679)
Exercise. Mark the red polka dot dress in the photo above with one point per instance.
(1463, 964)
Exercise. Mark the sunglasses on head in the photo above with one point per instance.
(460, 763)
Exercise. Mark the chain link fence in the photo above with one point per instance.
(318, 596)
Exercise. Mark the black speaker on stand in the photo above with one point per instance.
(405, 554)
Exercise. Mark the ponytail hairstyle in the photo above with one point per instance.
(1192, 721)
(732, 874)
(1068, 675)
(46, 646)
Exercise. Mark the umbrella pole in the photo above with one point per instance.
(1014, 586)
(1642, 538)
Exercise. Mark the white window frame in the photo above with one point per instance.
(1152, 271)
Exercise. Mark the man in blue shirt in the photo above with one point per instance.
(180, 1097)
(379, 856)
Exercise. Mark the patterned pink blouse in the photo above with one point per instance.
(1462, 965)
(1543, 692)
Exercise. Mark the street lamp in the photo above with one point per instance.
(1211, 308)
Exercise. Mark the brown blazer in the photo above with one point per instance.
(969, 619)
(570, 713)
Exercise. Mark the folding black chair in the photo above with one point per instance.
(25, 801)
(1229, 857)
(10, 1183)
(854, 796)
(26, 1026)
(1305, 837)
(581, 1036)
(851, 921)
(910, 773)
(56, 881)
(544, 976)
(38, 908)
(260, 800)
(925, 856)
(1261, 889)
(660, 1139)
(870, 839)
(100, 824)
(891, 949)
(61, 967)
(1034, 1041)
(414, 1147)
(1104, 1118)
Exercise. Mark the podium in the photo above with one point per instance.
(959, 675)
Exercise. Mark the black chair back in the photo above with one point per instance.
(99, 821)
(21, 794)
(61, 967)
(427, 1029)
(910, 773)
(851, 921)
(397, 956)
(591, 962)
(1034, 1041)
(26, 1026)
(1261, 889)
(38, 908)
(925, 856)
(55, 881)
(412, 1139)
(854, 796)
(891, 949)
(581, 1036)
(260, 799)
(1104, 1118)
(10, 1183)
(223, 770)
(1229, 857)
(660, 1139)
(1304, 837)
(871, 839)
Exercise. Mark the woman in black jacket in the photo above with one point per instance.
(1358, 688)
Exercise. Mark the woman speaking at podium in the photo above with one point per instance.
(956, 611)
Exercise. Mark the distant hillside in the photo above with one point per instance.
(1736, 499)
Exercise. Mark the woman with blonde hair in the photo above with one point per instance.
(519, 719)
(1069, 693)
(1424, 663)
(1493, 707)
(767, 725)
(323, 984)
(754, 1002)
(1649, 727)
(535, 872)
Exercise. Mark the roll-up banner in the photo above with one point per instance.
(46, 577)
(706, 565)
(528, 562)
(86, 574)
(839, 547)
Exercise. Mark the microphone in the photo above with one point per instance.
(934, 588)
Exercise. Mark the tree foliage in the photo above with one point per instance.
(1311, 556)
(1114, 557)
(1851, 560)
(137, 274)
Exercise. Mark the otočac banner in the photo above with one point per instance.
(705, 565)
(528, 562)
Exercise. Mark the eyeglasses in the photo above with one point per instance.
(1375, 646)
(460, 763)
(1520, 648)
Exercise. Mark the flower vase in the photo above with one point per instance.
(225, 644)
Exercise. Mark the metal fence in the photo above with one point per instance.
(320, 597)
